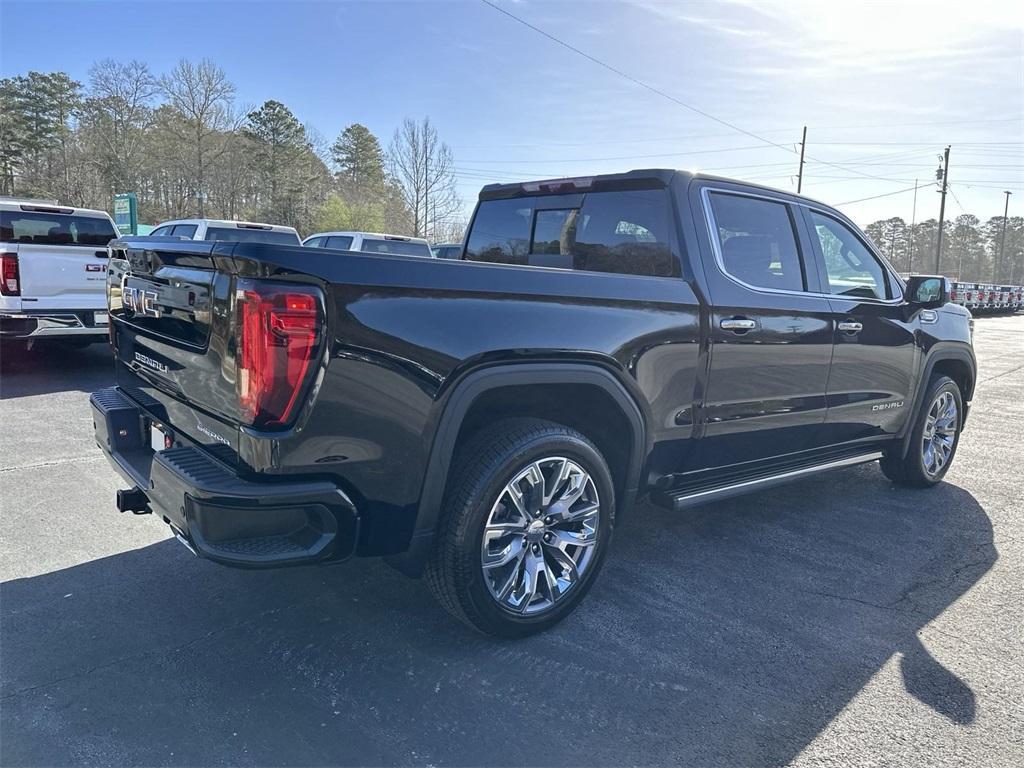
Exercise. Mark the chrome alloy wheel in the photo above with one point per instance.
(939, 434)
(541, 535)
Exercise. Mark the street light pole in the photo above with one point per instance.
(1002, 242)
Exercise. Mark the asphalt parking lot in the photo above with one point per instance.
(837, 621)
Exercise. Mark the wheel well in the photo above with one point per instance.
(586, 408)
(958, 371)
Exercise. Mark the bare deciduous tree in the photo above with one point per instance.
(119, 114)
(202, 94)
(424, 169)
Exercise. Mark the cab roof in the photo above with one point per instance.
(381, 235)
(41, 206)
(231, 223)
(647, 178)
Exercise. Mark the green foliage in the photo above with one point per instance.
(338, 214)
(36, 114)
(970, 249)
(359, 160)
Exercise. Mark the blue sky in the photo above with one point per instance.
(882, 87)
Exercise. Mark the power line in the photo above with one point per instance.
(652, 89)
(765, 130)
(875, 197)
(620, 157)
(957, 200)
(632, 79)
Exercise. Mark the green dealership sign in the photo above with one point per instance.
(126, 213)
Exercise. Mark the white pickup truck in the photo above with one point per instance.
(53, 272)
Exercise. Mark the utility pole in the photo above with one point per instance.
(1002, 242)
(944, 177)
(913, 221)
(800, 174)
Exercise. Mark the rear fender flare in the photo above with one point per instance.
(457, 407)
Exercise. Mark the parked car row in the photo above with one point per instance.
(983, 298)
(54, 258)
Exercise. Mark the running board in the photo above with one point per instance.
(684, 498)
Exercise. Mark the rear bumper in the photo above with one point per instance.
(218, 514)
(50, 324)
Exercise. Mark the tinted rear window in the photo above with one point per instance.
(448, 251)
(235, 235)
(400, 247)
(54, 229)
(625, 232)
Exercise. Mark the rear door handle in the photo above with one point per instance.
(738, 324)
(850, 326)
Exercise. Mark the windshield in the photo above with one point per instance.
(54, 229)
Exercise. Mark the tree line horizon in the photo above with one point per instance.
(186, 148)
(183, 145)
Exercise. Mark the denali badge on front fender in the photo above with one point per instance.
(887, 406)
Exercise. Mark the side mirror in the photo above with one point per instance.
(927, 291)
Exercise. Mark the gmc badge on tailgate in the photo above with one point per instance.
(140, 301)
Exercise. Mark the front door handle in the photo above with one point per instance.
(738, 324)
(850, 326)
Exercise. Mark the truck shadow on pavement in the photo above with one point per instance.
(53, 367)
(729, 635)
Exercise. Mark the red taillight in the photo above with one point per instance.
(952, 295)
(278, 337)
(10, 284)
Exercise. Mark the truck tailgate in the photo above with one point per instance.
(62, 276)
(172, 317)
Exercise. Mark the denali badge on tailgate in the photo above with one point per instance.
(149, 362)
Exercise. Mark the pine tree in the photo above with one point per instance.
(359, 160)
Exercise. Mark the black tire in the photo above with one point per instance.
(910, 470)
(479, 474)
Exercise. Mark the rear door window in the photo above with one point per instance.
(758, 242)
(342, 243)
(38, 228)
(184, 230)
(626, 232)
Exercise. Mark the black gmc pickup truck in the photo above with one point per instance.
(486, 421)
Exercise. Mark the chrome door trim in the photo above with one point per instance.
(716, 246)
